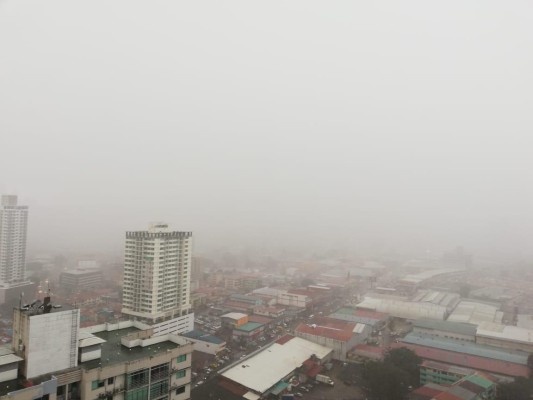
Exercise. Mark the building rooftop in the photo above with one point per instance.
(476, 312)
(113, 352)
(505, 332)
(248, 327)
(446, 326)
(234, 315)
(517, 357)
(429, 274)
(465, 360)
(205, 337)
(268, 367)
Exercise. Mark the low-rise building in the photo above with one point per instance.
(248, 331)
(477, 386)
(234, 319)
(445, 329)
(270, 370)
(121, 361)
(205, 342)
(341, 336)
(505, 336)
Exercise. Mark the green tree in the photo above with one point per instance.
(384, 381)
(520, 389)
(406, 360)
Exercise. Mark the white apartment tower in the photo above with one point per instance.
(13, 227)
(157, 277)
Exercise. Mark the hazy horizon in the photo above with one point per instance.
(387, 125)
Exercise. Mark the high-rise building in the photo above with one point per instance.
(157, 277)
(13, 227)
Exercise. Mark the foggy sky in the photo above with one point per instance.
(396, 124)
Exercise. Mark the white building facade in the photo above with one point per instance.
(157, 277)
(13, 228)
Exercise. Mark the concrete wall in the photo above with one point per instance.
(177, 325)
(52, 343)
(8, 372)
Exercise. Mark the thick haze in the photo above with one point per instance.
(397, 124)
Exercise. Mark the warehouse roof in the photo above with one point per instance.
(446, 326)
(268, 367)
(475, 312)
(465, 360)
(505, 332)
(474, 349)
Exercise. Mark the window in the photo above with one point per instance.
(182, 358)
(159, 389)
(97, 384)
(159, 372)
(180, 390)
(111, 380)
(181, 373)
(138, 394)
(137, 378)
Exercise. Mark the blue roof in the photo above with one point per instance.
(203, 336)
(517, 357)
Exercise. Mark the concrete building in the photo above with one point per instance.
(477, 386)
(435, 372)
(81, 278)
(341, 336)
(157, 268)
(505, 336)
(13, 228)
(46, 341)
(122, 361)
(234, 319)
(205, 342)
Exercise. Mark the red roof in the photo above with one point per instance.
(448, 396)
(369, 349)
(466, 360)
(359, 312)
(427, 391)
(330, 328)
(284, 339)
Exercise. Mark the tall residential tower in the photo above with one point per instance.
(13, 227)
(157, 278)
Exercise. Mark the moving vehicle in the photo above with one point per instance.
(325, 379)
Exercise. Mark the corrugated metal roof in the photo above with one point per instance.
(469, 361)
(266, 368)
(479, 350)
(506, 332)
(446, 326)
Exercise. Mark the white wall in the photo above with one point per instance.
(52, 340)
(175, 326)
(8, 372)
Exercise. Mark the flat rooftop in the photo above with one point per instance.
(203, 336)
(113, 352)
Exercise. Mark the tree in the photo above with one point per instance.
(384, 381)
(406, 360)
(520, 389)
